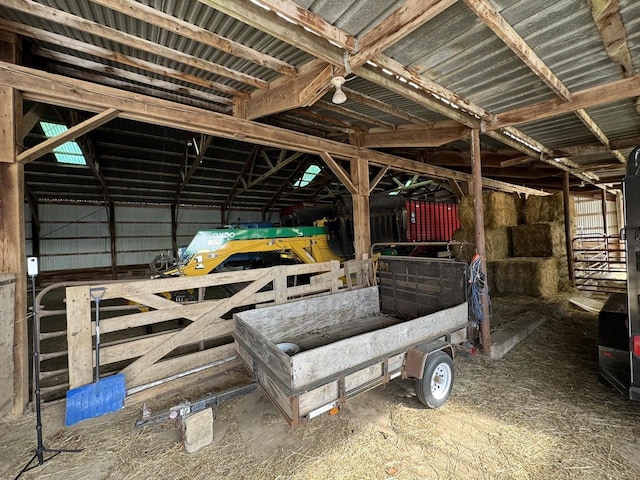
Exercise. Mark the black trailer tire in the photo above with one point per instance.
(434, 388)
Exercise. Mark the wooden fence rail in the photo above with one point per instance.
(165, 338)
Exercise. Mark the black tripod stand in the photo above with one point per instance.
(40, 450)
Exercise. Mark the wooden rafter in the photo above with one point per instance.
(496, 22)
(434, 136)
(339, 172)
(74, 132)
(132, 87)
(188, 30)
(93, 28)
(129, 76)
(274, 168)
(492, 18)
(79, 46)
(408, 17)
(42, 86)
(598, 95)
(290, 93)
(241, 180)
(588, 149)
(606, 14)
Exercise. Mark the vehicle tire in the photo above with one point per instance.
(434, 388)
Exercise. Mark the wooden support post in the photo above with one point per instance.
(174, 229)
(112, 236)
(605, 223)
(361, 213)
(478, 210)
(568, 233)
(12, 229)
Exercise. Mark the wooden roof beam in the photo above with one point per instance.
(40, 86)
(434, 136)
(152, 16)
(289, 93)
(72, 133)
(96, 67)
(96, 51)
(496, 22)
(598, 95)
(606, 14)
(411, 15)
(294, 13)
(588, 149)
(292, 33)
(93, 28)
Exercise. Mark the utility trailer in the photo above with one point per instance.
(311, 355)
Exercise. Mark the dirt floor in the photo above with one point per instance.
(539, 413)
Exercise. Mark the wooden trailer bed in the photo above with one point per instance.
(347, 346)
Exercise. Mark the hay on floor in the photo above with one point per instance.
(523, 276)
(539, 240)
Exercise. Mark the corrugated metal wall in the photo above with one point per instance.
(589, 219)
(73, 236)
(142, 233)
(77, 236)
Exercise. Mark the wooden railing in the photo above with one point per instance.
(164, 340)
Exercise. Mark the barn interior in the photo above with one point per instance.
(167, 165)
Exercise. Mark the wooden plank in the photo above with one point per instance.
(367, 119)
(289, 93)
(277, 323)
(205, 322)
(141, 346)
(168, 22)
(263, 350)
(71, 134)
(12, 225)
(79, 336)
(385, 107)
(312, 366)
(318, 397)
(93, 28)
(184, 363)
(7, 322)
(361, 377)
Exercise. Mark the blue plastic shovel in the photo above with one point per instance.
(105, 395)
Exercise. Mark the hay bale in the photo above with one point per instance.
(497, 244)
(539, 240)
(564, 285)
(500, 210)
(523, 276)
(542, 209)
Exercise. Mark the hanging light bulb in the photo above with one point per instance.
(338, 97)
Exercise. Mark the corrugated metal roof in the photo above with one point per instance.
(142, 163)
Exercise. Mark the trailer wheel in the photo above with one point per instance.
(434, 387)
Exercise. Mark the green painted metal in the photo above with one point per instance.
(212, 240)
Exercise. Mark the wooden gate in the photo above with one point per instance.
(185, 341)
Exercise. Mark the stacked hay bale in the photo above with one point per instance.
(501, 212)
(525, 243)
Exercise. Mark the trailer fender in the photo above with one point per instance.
(417, 357)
